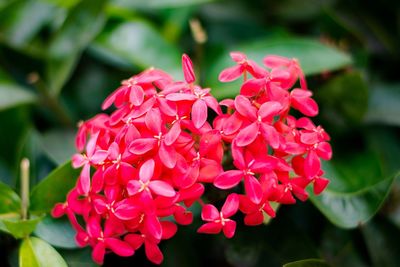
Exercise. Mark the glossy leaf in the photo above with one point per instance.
(338, 104)
(125, 42)
(20, 228)
(36, 252)
(59, 145)
(78, 257)
(83, 23)
(347, 204)
(57, 232)
(151, 4)
(9, 201)
(314, 58)
(53, 188)
(12, 95)
(384, 105)
(307, 263)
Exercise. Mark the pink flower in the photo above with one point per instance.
(217, 221)
(243, 66)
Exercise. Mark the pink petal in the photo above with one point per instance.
(142, 145)
(133, 187)
(232, 124)
(180, 97)
(209, 213)
(162, 188)
(247, 135)
(199, 113)
(229, 228)
(271, 135)
(245, 108)
(269, 109)
(213, 104)
(134, 240)
(230, 74)
(210, 228)
(153, 120)
(272, 61)
(169, 229)
(119, 247)
(172, 134)
(153, 226)
(100, 206)
(182, 216)
(252, 87)
(84, 179)
(91, 145)
(126, 211)
(253, 219)
(312, 165)
(253, 189)
(230, 206)
(228, 179)
(136, 95)
(238, 57)
(167, 155)
(98, 253)
(324, 150)
(146, 171)
(255, 70)
(187, 67)
(320, 184)
(153, 252)
(78, 161)
(99, 156)
(167, 107)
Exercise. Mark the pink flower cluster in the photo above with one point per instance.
(144, 165)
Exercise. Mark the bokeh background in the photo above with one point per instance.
(59, 59)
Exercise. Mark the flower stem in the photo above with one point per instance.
(24, 188)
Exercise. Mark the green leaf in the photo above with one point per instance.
(352, 198)
(59, 145)
(27, 257)
(314, 58)
(15, 29)
(57, 232)
(53, 188)
(36, 252)
(12, 95)
(381, 238)
(137, 43)
(9, 200)
(307, 263)
(83, 23)
(151, 4)
(339, 105)
(78, 257)
(384, 104)
(21, 228)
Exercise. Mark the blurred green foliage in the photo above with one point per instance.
(60, 58)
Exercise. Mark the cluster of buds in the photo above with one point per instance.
(146, 164)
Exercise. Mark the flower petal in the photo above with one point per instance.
(199, 113)
(210, 228)
(162, 188)
(229, 228)
(119, 247)
(209, 213)
(231, 205)
(228, 179)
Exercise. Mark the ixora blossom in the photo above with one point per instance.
(146, 164)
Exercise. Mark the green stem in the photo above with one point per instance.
(53, 104)
(24, 188)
